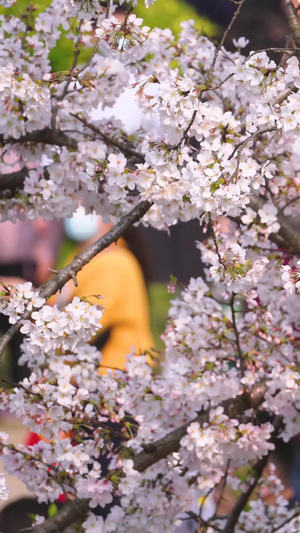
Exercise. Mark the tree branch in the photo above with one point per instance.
(69, 272)
(288, 233)
(112, 142)
(258, 469)
(68, 514)
(14, 180)
(221, 43)
(291, 13)
(233, 408)
(45, 136)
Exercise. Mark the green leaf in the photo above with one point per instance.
(52, 510)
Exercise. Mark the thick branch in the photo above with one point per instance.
(59, 138)
(233, 408)
(69, 272)
(70, 513)
(46, 136)
(289, 236)
(14, 180)
(291, 14)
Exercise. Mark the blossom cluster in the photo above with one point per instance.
(25, 297)
(50, 329)
(4, 491)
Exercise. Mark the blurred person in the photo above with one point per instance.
(29, 248)
(28, 251)
(119, 274)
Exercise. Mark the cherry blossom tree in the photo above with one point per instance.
(224, 142)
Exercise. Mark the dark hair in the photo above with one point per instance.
(19, 514)
(284, 457)
(136, 242)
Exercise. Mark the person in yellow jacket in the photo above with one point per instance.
(117, 276)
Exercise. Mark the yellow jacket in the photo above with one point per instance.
(116, 275)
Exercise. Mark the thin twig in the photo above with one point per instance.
(289, 51)
(272, 345)
(216, 242)
(21, 386)
(185, 132)
(291, 201)
(112, 142)
(287, 521)
(221, 43)
(87, 64)
(210, 73)
(241, 145)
